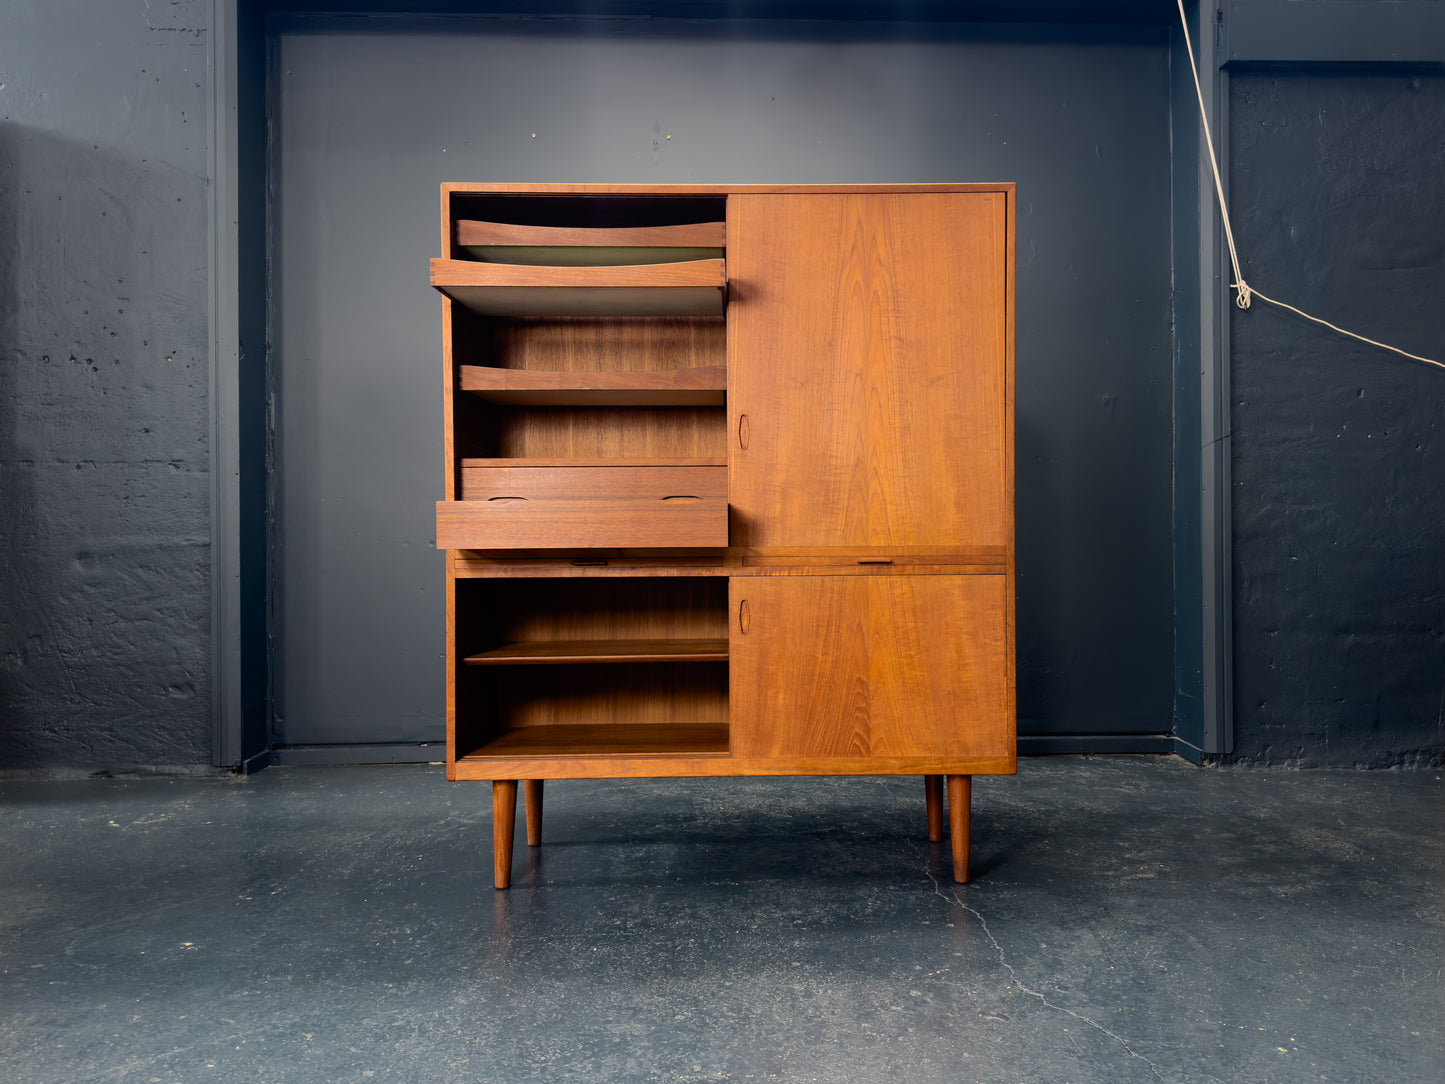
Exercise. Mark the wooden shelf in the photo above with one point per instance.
(605, 740)
(566, 652)
(692, 288)
(582, 246)
(666, 387)
(673, 461)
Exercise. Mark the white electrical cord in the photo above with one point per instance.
(1244, 292)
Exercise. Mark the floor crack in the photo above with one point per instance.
(952, 897)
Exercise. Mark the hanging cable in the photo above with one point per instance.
(1244, 292)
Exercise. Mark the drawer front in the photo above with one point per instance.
(582, 524)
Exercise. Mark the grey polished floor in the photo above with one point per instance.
(1133, 919)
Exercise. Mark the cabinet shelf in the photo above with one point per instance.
(704, 386)
(605, 740)
(565, 652)
(583, 246)
(620, 461)
(691, 288)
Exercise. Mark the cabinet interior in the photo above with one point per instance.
(528, 682)
(663, 397)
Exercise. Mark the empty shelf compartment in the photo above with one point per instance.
(584, 246)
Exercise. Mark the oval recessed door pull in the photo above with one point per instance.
(506, 498)
(743, 432)
(745, 617)
(682, 497)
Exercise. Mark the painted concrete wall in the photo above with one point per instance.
(1338, 184)
(104, 493)
(104, 558)
(368, 123)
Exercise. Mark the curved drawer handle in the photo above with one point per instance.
(681, 497)
(506, 498)
(745, 617)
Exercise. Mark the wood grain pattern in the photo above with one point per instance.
(580, 524)
(592, 482)
(504, 826)
(565, 188)
(960, 822)
(693, 288)
(558, 610)
(532, 792)
(600, 694)
(884, 426)
(672, 387)
(589, 344)
(668, 765)
(449, 274)
(609, 740)
(878, 562)
(868, 340)
(571, 652)
(605, 461)
(933, 803)
(871, 666)
(621, 433)
(689, 235)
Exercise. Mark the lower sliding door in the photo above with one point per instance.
(847, 666)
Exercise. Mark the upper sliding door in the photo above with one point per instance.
(867, 369)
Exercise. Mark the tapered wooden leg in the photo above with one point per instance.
(504, 823)
(532, 799)
(933, 796)
(960, 797)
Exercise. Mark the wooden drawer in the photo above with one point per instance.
(586, 507)
(491, 480)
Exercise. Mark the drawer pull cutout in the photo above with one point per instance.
(745, 617)
(506, 498)
(875, 560)
(682, 497)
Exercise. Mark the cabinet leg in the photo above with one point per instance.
(960, 796)
(933, 796)
(504, 823)
(532, 799)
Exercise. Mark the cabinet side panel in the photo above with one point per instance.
(867, 341)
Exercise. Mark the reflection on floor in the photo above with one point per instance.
(1132, 919)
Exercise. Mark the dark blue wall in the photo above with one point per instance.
(1338, 186)
(368, 120)
(105, 622)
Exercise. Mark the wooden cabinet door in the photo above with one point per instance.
(824, 667)
(868, 390)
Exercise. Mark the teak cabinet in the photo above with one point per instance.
(729, 485)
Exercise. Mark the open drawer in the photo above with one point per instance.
(512, 504)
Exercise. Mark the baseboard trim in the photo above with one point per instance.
(306, 756)
(1045, 745)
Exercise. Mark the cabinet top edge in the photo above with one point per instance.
(568, 189)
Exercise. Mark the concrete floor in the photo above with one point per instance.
(1133, 919)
